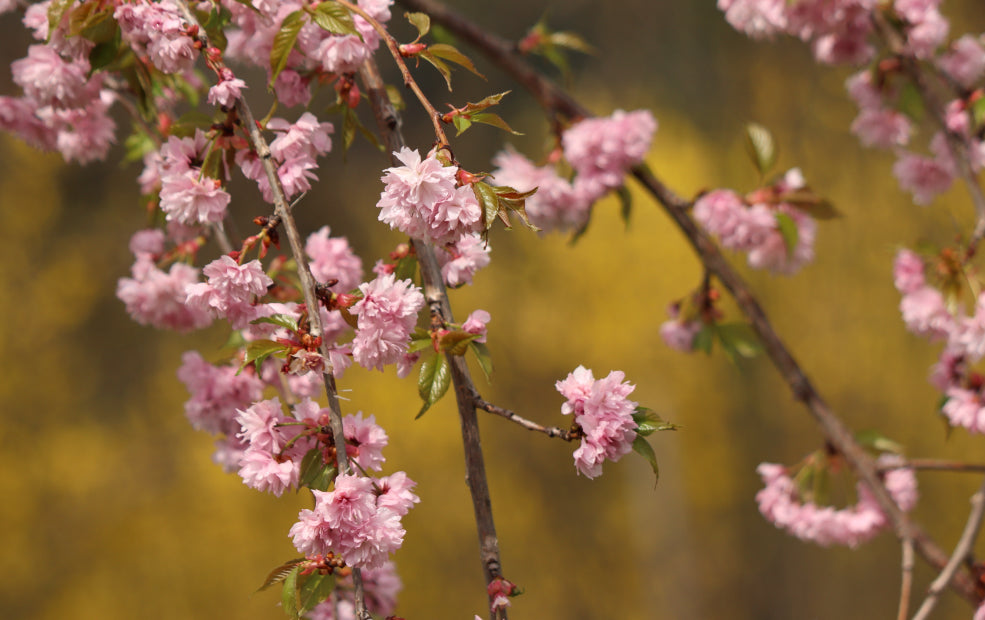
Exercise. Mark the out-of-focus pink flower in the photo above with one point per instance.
(925, 314)
(965, 62)
(965, 408)
(882, 128)
(156, 298)
(604, 149)
(908, 274)
(924, 177)
(216, 393)
(556, 205)
(756, 18)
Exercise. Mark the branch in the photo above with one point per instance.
(935, 465)
(283, 211)
(550, 431)
(465, 392)
(961, 551)
(555, 100)
(907, 581)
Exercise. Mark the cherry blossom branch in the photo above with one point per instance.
(906, 586)
(961, 551)
(935, 465)
(554, 100)
(955, 143)
(550, 431)
(409, 80)
(465, 392)
(283, 211)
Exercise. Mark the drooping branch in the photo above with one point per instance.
(283, 211)
(906, 582)
(556, 101)
(465, 393)
(550, 431)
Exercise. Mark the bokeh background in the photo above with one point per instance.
(110, 506)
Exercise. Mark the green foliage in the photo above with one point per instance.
(284, 42)
(642, 447)
(315, 473)
(761, 148)
(648, 422)
(284, 320)
(258, 351)
(433, 381)
(421, 21)
(788, 230)
(279, 574)
(484, 358)
(877, 442)
(335, 18)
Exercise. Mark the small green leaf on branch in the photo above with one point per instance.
(315, 473)
(315, 589)
(704, 339)
(625, 204)
(874, 440)
(642, 447)
(335, 18)
(760, 147)
(648, 422)
(284, 42)
(788, 230)
(811, 204)
(421, 21)
(484, 358)
(280, 573)
(451, 54)
(284, 320)
(433, 381)
(456, 342)
(258, 351)
(738, 339)
(289, 594)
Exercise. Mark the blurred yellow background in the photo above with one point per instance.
(110, 507)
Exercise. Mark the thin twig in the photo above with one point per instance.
(465, 392)
(906, 587)
(550, 431)
(282, 209)
(409, 80)
(553, 99)
(935, 465)
(961, 551)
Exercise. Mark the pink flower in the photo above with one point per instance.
(332, 258)
(231, 288)
(158, 29)
(606, 148)
(723, 214)
(604, 414)
(882, 128)
(965, 62)
(216, 393)
(756, 18)
(556, 205)
(922, 176)
(149, 241)
(342, 54)
(476, 324)
(679, 334)
(908, 272)
(260, 470)
(965, 408)
(367, 440)
(395, 493)
(421, 199)
(773, 253)
(386, 315)
(50, 80)
(190, 199)
(156, 298)
(227, 92)
(460, 260)
(925, 314)
(258, 425)
(291, 89)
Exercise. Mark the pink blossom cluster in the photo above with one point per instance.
(679, 332)
(386, 314)
(333, 259)
(927, 313)
(422, 200)
(358, 520)
(318, 51)
(605, 415)
(600, 150)
(216, 393)
(380, 588)
(157, 298)
(230, 291)
(63, 108)
(187, 195)
(158, 31)
(274, 447)
(839, 30)
(780, 502)
(460, 260)
(294, 152)
(755, 228)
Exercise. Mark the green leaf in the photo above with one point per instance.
(488, 118)
(103, 54)
(648, 422)
(137, 145)
(258, 351)
(873, 439)
(484, 358)
(788, 230)
(704, 339)
(212, 165)
(420, 344)
(451, 54)
(910, 102)
(421, 21)
(315, 589)
(335, 18)
(433, 381)
(289, 594)
(461, 123)
(215, 27)
(739, 338)
(761, 148)
(571, 41)
(315, 473)
(978, 112)
(456, 342)
(284, 320)
(642, 447)
(811, 204)
(513, 202)
(406, 268)
(284, 42)
(489, 201)
(280, 573)
(396, 99)
(56, 10)
(438, 64)
(625, 204)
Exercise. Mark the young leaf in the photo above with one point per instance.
(484, 358)
(56, 10)
(875, 440)
(642, 447)
(438, 64)
(315, 473)
(572, 41)
(396, 99)
(335, 18)
(488, 118)
(420, 344)
(648, 422)
(406, 268)
(315, 589)
(811, 204)
(625, 204)
(489, 201)
(433, 381)
(284, 42)
(284, 320)
(456, 342)
(289, 594)
(421, 21)
(704, 339)
(259, 350)
(450, 53)
(910, 102)
(761, 148)
(739, 338)
(788, 230)
(461, 123)
(280, 573)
